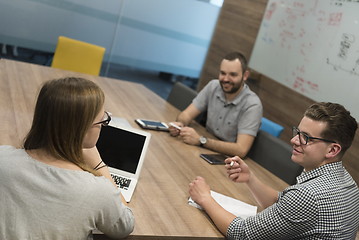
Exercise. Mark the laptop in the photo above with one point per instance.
(123, 149)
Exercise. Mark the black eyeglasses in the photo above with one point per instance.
(304, 138)
(106, 121)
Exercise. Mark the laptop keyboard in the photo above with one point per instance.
(121, 182)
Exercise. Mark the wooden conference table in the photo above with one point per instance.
(160, 199)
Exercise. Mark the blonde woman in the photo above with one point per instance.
(57, 187)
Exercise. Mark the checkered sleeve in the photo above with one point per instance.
(295, 212)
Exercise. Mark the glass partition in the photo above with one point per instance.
(166, 36)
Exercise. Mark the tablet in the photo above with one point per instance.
(151, 124)
(215, 159)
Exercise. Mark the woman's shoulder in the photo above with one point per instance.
(103, 194)
(7, 150)
(6, 147)
(98, 184)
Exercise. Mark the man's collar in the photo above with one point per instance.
(305, 176)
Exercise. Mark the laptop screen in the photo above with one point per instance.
(120, 148)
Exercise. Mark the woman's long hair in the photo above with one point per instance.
(64, 112)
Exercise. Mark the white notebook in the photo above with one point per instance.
(234, 206)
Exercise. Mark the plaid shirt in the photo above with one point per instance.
(324, 204)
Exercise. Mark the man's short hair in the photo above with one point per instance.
(341, 126)
(237, 55)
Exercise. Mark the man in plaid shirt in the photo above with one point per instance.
(324, 204)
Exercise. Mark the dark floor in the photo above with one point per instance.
(159, 82)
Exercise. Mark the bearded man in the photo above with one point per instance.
(234, 112)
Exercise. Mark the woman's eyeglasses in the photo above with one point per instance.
(106, 121)
(304, 138)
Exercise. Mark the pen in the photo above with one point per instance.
(174, 125)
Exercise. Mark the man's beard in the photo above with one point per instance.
(234, 88)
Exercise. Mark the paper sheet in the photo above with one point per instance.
(234, 206)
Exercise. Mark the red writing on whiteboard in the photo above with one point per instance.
(269, 12)
(305, 86)
(335, 19)
(298, 4)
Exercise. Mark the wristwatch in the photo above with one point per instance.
(202, 140)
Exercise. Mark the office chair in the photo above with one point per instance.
(78, 56)
(181, 96)
(275, 155)
(271, 127)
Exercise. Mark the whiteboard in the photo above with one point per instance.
(312, 47)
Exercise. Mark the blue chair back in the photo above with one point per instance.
(271, 127)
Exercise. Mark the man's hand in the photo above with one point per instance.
(190, 136)
(199, 190)
(175, 131)
(237, 169)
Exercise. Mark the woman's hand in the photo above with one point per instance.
(93, 160)
(92, 157)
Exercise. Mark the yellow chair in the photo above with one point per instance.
(78, 56)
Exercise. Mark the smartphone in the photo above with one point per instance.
(214, 159)
(151, 124)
